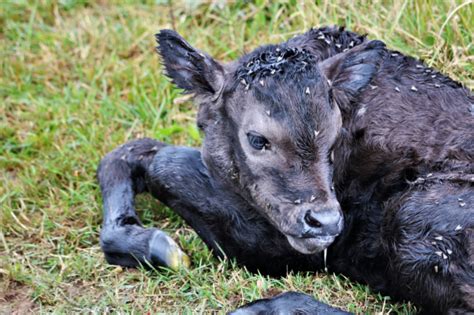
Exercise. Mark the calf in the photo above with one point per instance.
(327, 150)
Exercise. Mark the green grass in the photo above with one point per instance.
(79, 78)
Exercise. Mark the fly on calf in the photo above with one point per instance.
(325, 151)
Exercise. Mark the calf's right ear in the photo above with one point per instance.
(352, 70)
(191, 70)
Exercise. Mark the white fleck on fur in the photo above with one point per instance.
(361, 111)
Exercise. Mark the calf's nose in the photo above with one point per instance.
(322, 222)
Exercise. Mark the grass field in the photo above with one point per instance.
(79, 78)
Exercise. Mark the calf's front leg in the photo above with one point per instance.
(123, 239)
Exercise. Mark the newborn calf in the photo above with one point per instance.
(327, 150)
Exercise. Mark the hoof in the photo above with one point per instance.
(165, 252)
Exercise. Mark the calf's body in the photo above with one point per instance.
(345, 124)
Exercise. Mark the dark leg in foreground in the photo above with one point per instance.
(178, 178)
(288, 303)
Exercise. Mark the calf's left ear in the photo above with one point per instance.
(190, 69)
(351, 71)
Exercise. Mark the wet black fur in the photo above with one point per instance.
(403, 172)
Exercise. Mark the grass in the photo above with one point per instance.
(79, 78)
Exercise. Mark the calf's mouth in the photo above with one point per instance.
(315, 228)
(311, 245)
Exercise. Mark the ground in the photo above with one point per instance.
(79, 78)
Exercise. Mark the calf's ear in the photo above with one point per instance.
(191, 70)
(351, 71)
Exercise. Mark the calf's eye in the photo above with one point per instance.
(257, 141)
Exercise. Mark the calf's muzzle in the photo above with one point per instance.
(324, 222)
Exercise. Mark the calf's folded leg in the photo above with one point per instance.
(123, 239)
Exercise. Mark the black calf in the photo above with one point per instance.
(325, 142)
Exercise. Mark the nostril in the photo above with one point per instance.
(311, 220)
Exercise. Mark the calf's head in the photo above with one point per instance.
(270, 121)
